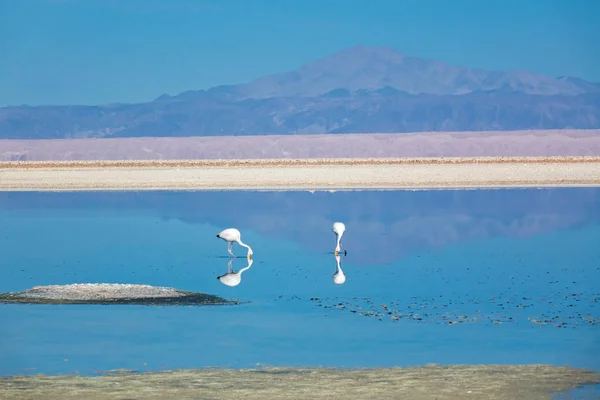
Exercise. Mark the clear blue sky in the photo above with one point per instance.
(99, 51)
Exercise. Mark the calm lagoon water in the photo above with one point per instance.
(485, 276)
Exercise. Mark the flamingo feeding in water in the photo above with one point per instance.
(232, 235)
(233, 278)
(339, 228)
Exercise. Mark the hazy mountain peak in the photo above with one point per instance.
(370, 68)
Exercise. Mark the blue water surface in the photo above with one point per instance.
(447, 277)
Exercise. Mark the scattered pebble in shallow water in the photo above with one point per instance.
(500, 311)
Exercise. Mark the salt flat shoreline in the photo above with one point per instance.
(278, 162)
(301, 174)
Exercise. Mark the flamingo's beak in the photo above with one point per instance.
(336, 253)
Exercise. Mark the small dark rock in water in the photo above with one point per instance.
(111, 293)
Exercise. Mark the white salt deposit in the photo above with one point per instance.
(100, 291)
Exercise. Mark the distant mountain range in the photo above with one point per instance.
(357, 90)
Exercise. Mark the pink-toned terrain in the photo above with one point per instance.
(427, 144)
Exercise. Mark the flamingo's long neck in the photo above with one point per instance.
(243, 269)
(337, 246)
(338, 269)
(245, 245)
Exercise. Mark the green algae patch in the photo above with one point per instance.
(491, 382)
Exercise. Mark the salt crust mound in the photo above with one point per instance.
(100, 291)
(112, 293)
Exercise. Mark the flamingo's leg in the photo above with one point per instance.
(343, 248)
(229, 244)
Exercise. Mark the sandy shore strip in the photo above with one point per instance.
(301, 174)
(491, 382)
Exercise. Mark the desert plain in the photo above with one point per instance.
(306, 162)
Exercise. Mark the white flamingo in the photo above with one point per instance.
(339, 277)
(339, 228)
(233, 278)
(232, 235)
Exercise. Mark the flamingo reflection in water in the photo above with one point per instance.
(232, 278)
(339, 277)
